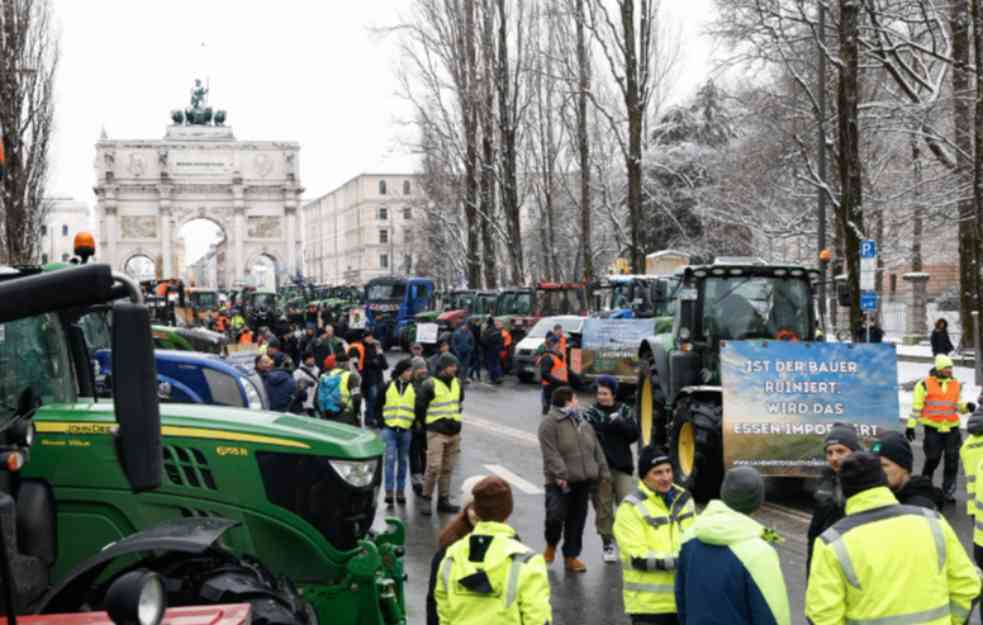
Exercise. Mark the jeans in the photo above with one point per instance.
(494, 365)
(606, 496)
(937, 444)
(371, 394)
(566, 515)
(418, 454)
(397, 442)
(464, 371)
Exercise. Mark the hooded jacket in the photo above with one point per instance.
(280, 388)
(570, 449)
(918, 491)
(725, 556)
(616, 429)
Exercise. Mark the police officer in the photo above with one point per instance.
(489, 577)
(887, 563)
(438, 406)
(936, 405)
(649, 527)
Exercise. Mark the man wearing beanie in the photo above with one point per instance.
(489, 577)
(339, 392)
(936, 404)
(894, 451)
(727, 555)
(971, 455)
(418, 442)
(438, 407)
(552, 370)
(399, 403)
(841, 441)
(616, 428)
(649, 526)
(887, 563)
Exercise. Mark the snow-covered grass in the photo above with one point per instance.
(914, 371)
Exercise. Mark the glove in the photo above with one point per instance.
(910, 434)
(971, 407)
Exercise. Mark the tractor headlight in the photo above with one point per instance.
(253, 400)
(358, 473)
(136, 598)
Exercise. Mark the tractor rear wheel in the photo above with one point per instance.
(651, 414)
(695, 447)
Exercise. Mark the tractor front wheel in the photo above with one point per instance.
(695, 447)
(650, 411)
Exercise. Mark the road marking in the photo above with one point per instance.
(527, 487)
(525, 438)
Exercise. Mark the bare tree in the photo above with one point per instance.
(583, 140)
(28, 60)
(977, 11)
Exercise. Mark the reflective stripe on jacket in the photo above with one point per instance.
(888, 563)
(977, 499)
(489, 577)
(971, 453)
(446, 402)
(935, 404)
(397, 412)
(649, 537)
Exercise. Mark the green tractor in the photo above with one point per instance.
(679, 397)
(284, 505)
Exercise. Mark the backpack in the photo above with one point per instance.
(329, 392)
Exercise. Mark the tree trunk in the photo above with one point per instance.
(508, 125)
(633, 107)
(583, 142)
(918, 210)
(469, 110)
(850, 212)
(978, 156)
(487, 117)
(962, 122)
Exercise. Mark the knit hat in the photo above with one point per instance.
(401, 367)
(607, 381)
(896, 448)
(843, 434)
(274, 342)
(552, 339)
(417, 362)
(975, 424)
(446, 360)
(650, 458)
(943, 362)
(492, 499)
(743, 489)
(330, 361)
(859, 472)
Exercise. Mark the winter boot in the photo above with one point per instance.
(444, 505)
(400, 498)
(573, 565)
(389, 498)
(426, 505)
(549, 554)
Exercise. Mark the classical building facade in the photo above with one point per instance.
(147, 190)
(363, 229)
(66, 217)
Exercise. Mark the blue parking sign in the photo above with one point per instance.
(868, 248)
(868, 300)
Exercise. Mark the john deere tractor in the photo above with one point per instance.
(679, 398)
(226, 504)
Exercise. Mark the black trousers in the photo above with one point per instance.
(547, 397)
(654, 619)
(978, 556)
(566, 515)
(418, 452)
(936, 445)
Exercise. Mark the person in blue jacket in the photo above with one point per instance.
(279, 383)
(728, 556)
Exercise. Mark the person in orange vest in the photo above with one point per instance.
(936, 405)
(507, 344)
(552, 369)
(246, 337)
(356, 351)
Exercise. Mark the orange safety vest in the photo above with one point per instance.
(941, 406)
(220, 323)
(559, 369)
(562, 345)
(507, 341)
(246, 338)
(361, 355)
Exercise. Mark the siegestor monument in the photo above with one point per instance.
(147, 190)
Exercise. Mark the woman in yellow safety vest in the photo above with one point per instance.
(397, 417)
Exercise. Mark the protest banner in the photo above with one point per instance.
(426, 333)
(357, 319)
(781, 398)
(610, 346)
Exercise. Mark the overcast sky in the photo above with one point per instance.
(293, 70)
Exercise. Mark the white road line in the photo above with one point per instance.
(527, 487)
(527, 439)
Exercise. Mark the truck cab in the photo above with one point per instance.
(392, 302)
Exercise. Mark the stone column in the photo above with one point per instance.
(239, 233)
(109, 205)
(290, 209)
(916, 320)
(166, 242)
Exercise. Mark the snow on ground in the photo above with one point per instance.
(913, 371)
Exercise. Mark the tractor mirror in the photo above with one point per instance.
(53, 291)
(135, 397)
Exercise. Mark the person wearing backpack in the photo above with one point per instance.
(339, 392)
(306, 377)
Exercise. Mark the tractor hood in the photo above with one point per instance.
(260, 429)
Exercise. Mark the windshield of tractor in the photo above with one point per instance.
(563, 301)
(484, 304)
(460, 301)
(95, 329)
(264, 300)
(738, 308)
(34, 352)
(204, 299)
(377, 292)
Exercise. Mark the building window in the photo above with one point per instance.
(64, 230)
(44, 230)
(44, 259)
(408, 263)
(383, 213)
(407, 212)
(406, 187)
(383, 236)
(382, 187)
(384, 261)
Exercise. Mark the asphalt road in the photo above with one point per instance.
(499, 437)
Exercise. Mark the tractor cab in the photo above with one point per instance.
(633, 296)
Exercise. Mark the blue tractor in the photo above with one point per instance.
(392, 303)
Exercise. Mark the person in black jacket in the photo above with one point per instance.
(841, 441)
(372, 378)
(493, 344)
(616, 428)
(941, 344)
(897, 461)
